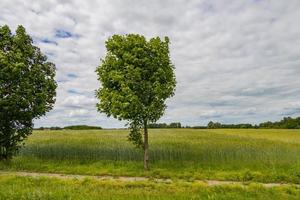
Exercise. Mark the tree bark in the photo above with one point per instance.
(146, 147)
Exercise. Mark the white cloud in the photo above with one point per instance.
(78, 113)
(235, 62)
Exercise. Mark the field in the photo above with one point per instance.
(21, 188)
(183, 155)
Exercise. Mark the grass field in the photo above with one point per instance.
(21, 188)
(221, 154)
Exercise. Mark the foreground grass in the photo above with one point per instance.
(19, 188)
(223, 154)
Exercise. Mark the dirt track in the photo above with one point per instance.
(130, 179)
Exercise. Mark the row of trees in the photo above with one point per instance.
(86, 127)
(212, 125)
(285, 123)
(165, 125)
(74, 127)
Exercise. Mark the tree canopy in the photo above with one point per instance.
(27, 88)
(286, 122)
(137, 76)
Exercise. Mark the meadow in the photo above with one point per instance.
(253, 155)
(23, 188)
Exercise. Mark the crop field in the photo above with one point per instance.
(248, 155)
(223, 154)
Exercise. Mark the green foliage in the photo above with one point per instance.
(137, 77)
(135, 135)
(214, 125)
(49, 128)
(82, 127)
(164, 125)
(286, 122)
(27, 88)
(74, 127)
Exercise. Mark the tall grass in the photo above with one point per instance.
(204, 148)
(174, 151)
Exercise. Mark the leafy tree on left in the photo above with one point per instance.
(27, 88)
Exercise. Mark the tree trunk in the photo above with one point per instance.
(3, 155)
(146, 147)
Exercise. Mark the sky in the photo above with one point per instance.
(236, 61)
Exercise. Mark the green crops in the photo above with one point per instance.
(229, 154)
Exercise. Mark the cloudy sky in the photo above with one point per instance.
(236, 61)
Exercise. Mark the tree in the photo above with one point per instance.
(175, 125)
(137, 76)
(286, 122)
(214, 125)
(27, 88)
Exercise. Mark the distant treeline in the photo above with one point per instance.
(75, 127)
(164, 125)
(219, 125)
(285, 123)
(82, 127)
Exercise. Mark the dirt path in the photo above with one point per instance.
(131, 179)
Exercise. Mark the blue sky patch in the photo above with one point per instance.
(61, 81)
(47, 41)
(72, 91)
(72, 75)
(63, 34)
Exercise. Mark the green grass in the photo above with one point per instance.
(223, 154)
(21, 188)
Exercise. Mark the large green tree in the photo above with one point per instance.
(136, 77)
(27, 88)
